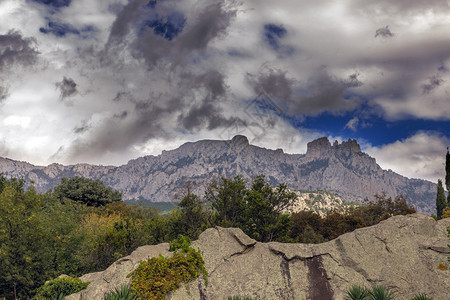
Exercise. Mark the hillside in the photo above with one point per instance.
(342, 169)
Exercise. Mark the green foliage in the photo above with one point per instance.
(421, 297)
(181, 242)
(88, 191)
(60, 286)
(193, 218)
(447, 175)
(257, 210)
(380, 292)
(357, 292)
(441, 203)
(239, 298)
(156, 277)
(123, 293)
(227, 198)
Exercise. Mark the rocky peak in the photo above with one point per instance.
(322, 148)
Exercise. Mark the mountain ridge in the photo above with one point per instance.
(340, 168)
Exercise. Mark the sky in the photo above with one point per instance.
(106, 81)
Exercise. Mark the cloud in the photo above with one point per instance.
(17, 50)
(352, 124)
(322, 92)
(433, 82)
(419, 156)
(3, 93)
(175, 34)
(67, 88)
(384, 32)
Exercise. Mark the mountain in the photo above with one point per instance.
(403, 253)
(342, 169)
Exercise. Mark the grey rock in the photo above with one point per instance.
(402, 253)
(339, 168)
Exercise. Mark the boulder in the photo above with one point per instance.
(402, 253)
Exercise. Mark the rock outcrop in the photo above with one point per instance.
(402, 253)
(339, 168)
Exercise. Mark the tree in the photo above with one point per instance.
(447, 175)
(227, 198)
(87, 191)
(263, 215)
(440, 200)
(193, 215)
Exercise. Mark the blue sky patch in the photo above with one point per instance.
(55, 3)
(273, 33)
(168, 27)
(60, 29)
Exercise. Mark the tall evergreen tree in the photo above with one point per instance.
(440, 200)
(447, 175)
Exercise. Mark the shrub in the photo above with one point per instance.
(123, 293)
(357, 292)
(156, 277)
(239, 298)
(380, 292)
(60, 286)
(181, 242)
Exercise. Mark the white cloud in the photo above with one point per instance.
(419, 156)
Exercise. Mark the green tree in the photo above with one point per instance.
(87, 191)
(227, 198)
(263, 217)
(194, 217)
(447, 175)
(441, 203)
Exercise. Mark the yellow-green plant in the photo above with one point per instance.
(156, 277)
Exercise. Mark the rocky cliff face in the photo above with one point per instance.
(339, 168)
(402, 253)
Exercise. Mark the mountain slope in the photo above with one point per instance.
(339, 168)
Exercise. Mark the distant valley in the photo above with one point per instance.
(341, 169)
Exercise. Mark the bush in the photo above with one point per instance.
(181, 242)
(156, 277)
(123, 293)
(60, 286)
(239, 298)
(357, 292)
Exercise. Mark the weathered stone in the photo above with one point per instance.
(402, 253)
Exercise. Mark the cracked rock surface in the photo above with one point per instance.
(402, 253)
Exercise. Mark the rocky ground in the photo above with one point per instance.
(402, 253)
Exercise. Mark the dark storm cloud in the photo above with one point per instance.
(321, 93)
(384, 32)
(67, 88)
(164, 32)
(195, 103)
(60, 29)
(82, 128)
(15, 49)
(3, 93)
(433, 82)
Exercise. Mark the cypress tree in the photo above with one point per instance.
(447, 175)
(440, 200)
